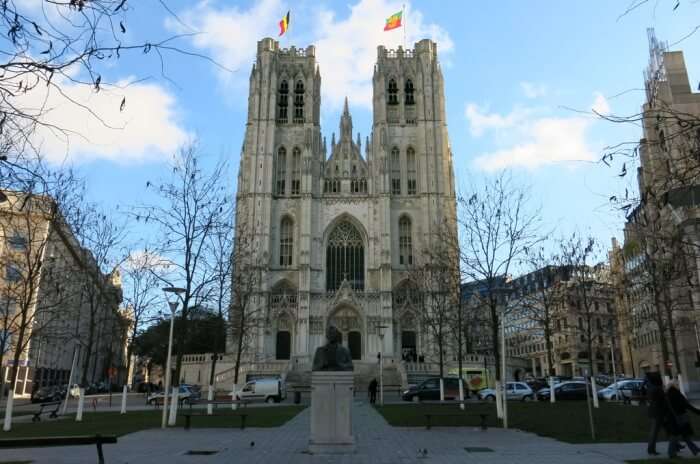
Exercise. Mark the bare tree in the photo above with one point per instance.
(434, 277)
(141, 296)
(497, 229)
(191, 211)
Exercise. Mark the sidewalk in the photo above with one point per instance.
(377, 442)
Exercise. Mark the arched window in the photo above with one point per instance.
(283, 102)
(395, 172)
(299, 102)
(286, 242)
(393, 92)
(405, 242)
(345, 257)
(281, 170)
(296, 171)
(408, 90)
(411, 170)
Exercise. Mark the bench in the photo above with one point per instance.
(216, 403)
(37, 442)
(190, 414)
(428, 423)
(52, 414)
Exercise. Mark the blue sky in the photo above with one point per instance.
(513, 70)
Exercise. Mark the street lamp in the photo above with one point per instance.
(172, 295)
(380, 330)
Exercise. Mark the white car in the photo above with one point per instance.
(620, 390)
(514, 391)
(185, 395)
(270, 390)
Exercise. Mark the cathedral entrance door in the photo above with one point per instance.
(284, 345)
(355, 344)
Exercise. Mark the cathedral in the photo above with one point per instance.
(337, 225)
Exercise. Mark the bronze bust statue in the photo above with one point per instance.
(332, 356)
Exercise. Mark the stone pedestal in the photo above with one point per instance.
(331, 421)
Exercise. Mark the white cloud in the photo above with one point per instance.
(545, 141)
(532, 90)
(531, 139)
(346, 47)
(229, 34)
(480, 120)
(600, 104)
(80, 124)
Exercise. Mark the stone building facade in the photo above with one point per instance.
(336, 226)
(656, 268)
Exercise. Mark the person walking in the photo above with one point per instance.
(677, 421)
(372, 390)
(656, 408)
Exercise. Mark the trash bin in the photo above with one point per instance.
(297, 397)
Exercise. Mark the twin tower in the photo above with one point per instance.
(336, 227)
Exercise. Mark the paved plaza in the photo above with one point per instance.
(377, 442)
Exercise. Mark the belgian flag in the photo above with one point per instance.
(284, 24)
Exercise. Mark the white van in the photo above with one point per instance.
(268, 390)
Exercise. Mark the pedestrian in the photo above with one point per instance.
(656, 408)
(372, 390)
(677, 422)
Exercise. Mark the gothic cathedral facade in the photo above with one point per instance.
(336, 227)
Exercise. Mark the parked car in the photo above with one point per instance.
(430, 390)
(571, 390)
(185, 395)
(519, 391)
(46, 394)
(537, 384)
(621, 390)
(270, 390)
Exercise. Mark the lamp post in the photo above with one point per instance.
(380, 330)
(172, 295)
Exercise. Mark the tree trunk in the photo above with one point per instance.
(662, 333)
(672, 330)
(494, 334)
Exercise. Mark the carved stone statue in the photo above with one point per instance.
(332, 356)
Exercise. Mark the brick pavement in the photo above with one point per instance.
(377, 442)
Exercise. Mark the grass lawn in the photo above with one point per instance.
(565, 421)
(113, 423)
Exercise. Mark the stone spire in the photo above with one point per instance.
(346, 123)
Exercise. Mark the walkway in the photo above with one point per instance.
(377, 442)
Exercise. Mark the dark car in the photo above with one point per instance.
(573, 390)
(46, 394)
(430, 390)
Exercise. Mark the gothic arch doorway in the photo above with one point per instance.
(349, 323)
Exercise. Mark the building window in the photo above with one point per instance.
(296, 171)
(345, 257)
(17, 242)
(281, 170)
(395, 172)
(408, 90)
(299, 102)
(393, 92)
(283, 102)
(286, 242)
(12, 273)
(411, 170)
(405, 242)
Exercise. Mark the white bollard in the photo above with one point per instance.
(173, 407)
(594, 392)
(81, 403)
(461, 395)
(552, 395)
(7, 425)
(499, 406)
(234, 406)
(442, 389)
(210, 397)
(667, 379)
(123, 411)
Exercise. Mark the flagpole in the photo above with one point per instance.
(403, 9)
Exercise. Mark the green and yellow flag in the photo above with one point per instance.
(393, 21)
